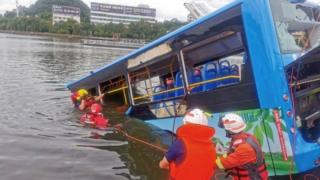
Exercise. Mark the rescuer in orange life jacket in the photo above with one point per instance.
(82, 100)
(95, 118)
(191, 156)
(245, 158)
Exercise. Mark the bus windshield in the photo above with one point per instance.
(297, 25)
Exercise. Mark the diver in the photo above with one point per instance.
(95, 118)
(191, 155)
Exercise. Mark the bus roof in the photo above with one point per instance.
(101, 74)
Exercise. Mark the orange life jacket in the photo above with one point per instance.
(199, 160)
(254, 170)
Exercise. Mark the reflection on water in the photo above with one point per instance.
(40, 136)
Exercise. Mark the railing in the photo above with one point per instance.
(191, 86)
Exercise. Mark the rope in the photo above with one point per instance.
(140, 141)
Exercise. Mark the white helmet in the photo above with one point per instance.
(233, 123)
(196, 116)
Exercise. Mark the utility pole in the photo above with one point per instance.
(17, 7)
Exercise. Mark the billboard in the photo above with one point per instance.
(66, 10)
(119, 9)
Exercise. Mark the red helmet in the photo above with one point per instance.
(74, 97)
(96, 108)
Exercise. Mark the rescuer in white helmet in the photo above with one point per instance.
(245, 158)
(191, 155)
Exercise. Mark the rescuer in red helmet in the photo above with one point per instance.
(245, 158)
(82, 100)
(95, 118)
(191, 156)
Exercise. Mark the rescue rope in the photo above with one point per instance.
(140, 141)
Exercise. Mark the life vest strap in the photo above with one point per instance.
(245, 173)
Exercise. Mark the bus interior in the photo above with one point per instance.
(218, 73)
(304, 78)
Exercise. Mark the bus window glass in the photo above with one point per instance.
(297, 25)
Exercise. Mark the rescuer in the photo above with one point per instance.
(82, 100)
(190, 156)
(95, 118)
(245, 158)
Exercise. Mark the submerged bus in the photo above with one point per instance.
(258, 58)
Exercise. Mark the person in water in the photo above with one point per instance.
(190, 156)
(95, 118)
(245, 159)
(82, 100)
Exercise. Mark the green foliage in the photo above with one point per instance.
(261, 121)
(268, 130)
(45, 6)
(259, 134)
(38, 18)
(68, 27)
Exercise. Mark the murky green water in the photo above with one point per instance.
(40, 137)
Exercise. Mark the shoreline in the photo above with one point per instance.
(69, 36)
(84, 40)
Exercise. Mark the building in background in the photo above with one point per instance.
(200, 8)
(63, 13)
(111, 13)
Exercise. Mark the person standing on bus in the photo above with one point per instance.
(190, 156)
(82, 100)
(245, 158)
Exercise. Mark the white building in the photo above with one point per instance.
(63, 13)
(110, 13)
(200, 8)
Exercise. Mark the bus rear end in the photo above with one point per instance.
(297, 25)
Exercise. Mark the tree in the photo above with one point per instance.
(69, 27)
(10, 14)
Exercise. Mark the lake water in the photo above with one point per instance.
(40, 136)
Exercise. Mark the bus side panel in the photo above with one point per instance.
(266, 61)
(270, 78)
(262, 124)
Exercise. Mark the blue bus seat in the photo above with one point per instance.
(158, 97)
(235, 72)
(195, 78)
(170, 94)
(224, 70)
(210, 73)
(178, 83)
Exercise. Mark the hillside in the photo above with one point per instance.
(45, 6)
